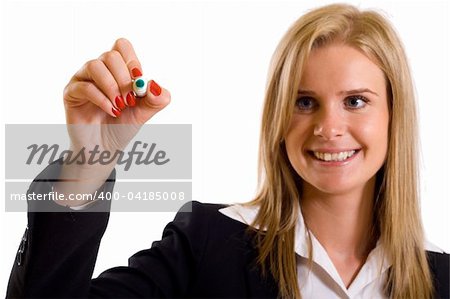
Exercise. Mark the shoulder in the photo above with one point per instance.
(211, 235)
(194, 213)
(439, 262)
(205, 219)
(199, 208)
(197, 211)
(437, 257)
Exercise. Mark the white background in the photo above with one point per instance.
(213, 57)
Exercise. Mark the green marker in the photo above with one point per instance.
(140, 86)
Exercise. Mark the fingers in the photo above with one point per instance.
(96, 71)
(118, 69)
(107, 82)
(112, 77)
(87, 90)
(126, 50)
(129, 58)
(156, 99)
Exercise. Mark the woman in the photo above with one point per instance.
(337, 214)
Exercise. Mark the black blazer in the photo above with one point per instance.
(202, 254)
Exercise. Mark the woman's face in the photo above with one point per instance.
(338, 137)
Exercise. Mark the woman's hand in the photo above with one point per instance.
(103, 112)
(104, 85)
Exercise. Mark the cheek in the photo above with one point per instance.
(297, 132)
(301, 125)
(374, 134)
(292, 146)
(296, 139)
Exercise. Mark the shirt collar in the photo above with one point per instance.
(376, 263)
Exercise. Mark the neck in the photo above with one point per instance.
(342, 223)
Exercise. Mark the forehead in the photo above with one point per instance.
(338, 67)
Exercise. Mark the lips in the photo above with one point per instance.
(333, 155)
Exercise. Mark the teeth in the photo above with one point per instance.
(334, 156)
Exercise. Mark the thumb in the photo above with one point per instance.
(155, 99)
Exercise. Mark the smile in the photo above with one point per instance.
(334, 157)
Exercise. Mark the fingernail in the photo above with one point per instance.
(116, 112)
(119, 103)
(135, 72)
(131, 99)
(154, 88)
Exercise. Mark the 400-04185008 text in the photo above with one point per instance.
(141, 195)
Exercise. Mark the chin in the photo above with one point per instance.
(333, 187)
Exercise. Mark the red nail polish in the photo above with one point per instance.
(131, 99)
(120, 103)
(154, 88)
(116, 112)
(135, 72)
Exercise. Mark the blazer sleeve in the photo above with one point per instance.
(59, 247)
(57, 255)
(166, 270)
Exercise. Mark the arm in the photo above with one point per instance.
(61, 247)
(58, 250)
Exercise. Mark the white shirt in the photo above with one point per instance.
(323, 280)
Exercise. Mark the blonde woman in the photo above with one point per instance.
(337, 214)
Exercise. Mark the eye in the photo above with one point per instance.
(356, 102)
(305, 103)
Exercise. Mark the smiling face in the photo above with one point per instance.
(338, 136)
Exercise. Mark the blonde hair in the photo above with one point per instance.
(396, 211)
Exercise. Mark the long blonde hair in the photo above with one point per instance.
(396, 211)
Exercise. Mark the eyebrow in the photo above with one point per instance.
(343, 92)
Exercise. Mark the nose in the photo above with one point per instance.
(329, 124)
